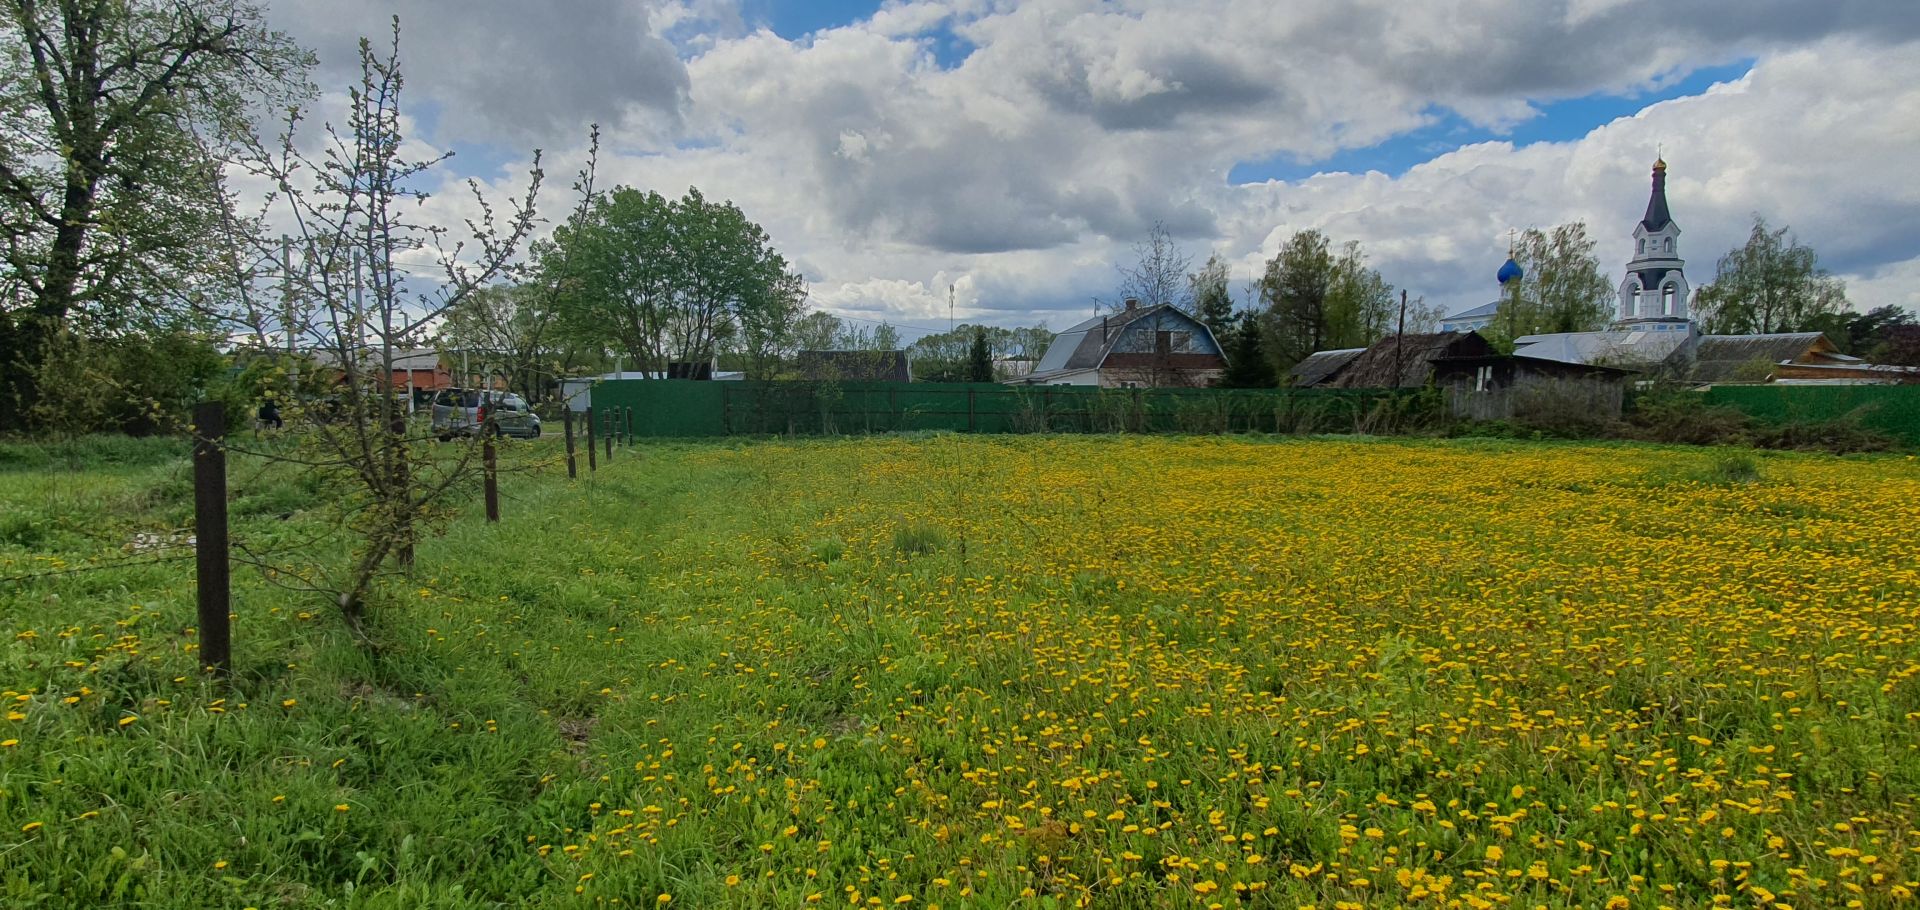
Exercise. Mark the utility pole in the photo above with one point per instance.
(949, 309)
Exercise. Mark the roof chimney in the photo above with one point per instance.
(1133, 303)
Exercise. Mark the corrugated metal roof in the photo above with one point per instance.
(1722, 357)
(1060, 349)
(1483, 310)
(1321, 365)
(1636, 346)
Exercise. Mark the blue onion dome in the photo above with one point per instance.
(1510, 271)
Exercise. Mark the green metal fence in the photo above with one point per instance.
(684, 408)
(1894, 410)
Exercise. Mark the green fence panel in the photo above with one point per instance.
(687, 408)
(1894, 410)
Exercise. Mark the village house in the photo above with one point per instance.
(1155, 346)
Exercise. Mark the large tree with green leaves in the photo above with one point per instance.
(817, 331)
(1359, 306)
(110, 198)
(1771, 283)
(1561, 289)
(1293, 292)
(663, 280)
(1316, 298)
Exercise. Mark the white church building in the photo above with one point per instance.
(1655, 289)
(1653, 327)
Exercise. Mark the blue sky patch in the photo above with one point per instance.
(1558, 121)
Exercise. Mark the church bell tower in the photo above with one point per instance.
(1655, 289)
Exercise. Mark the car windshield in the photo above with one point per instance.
(512, 403)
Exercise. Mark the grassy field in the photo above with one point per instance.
(952, 671)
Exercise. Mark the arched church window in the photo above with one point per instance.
(1669, 244)
(1667, 300)
(1641, 248)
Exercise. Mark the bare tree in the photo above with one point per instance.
(1159, 271)
(353, 211)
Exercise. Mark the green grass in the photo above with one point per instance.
(744, 674)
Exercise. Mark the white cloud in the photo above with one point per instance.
(1027, 171)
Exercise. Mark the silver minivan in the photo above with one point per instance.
(460, 412)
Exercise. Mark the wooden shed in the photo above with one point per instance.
(1506, 386)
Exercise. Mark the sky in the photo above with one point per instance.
(1017, 152)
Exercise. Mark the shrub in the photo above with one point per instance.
(1840, 436)
(1676, 415)
(1730, 468)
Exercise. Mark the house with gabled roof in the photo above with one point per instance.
(1135, 347)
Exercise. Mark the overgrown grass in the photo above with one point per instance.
(1159, 671)
(918, 538)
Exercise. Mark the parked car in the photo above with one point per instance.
(461, 412)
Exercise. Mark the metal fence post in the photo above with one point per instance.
(210, 544)
(612, 428)
(629, 413)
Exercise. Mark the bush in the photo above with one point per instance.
(134, 384)
(1675, 415)
(1841, 436)
(1730, 468)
